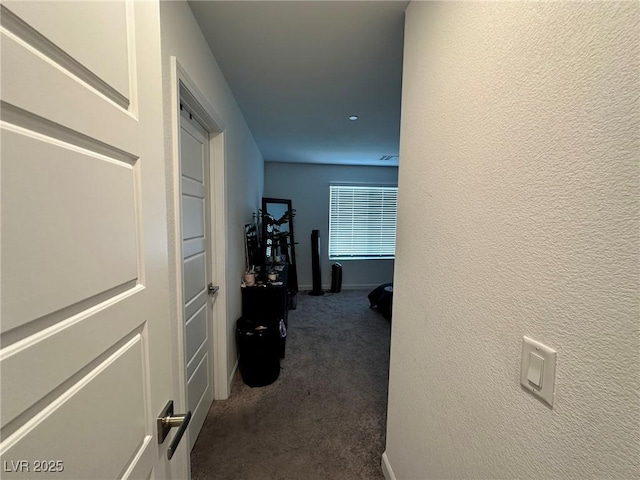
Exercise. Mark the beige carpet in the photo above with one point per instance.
(324, 418)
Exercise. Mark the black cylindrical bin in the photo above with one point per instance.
(259, 351)
(336, 277)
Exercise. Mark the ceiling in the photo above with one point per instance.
(299, 69)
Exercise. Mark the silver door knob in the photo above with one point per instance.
(166, 421)
(212, 289)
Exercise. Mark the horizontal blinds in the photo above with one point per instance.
(362, 221)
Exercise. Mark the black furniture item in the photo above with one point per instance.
(259, 350)
(336, 277)
(268, 303)
(315, 264)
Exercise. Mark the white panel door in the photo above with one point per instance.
(86, 357)
(196, 269)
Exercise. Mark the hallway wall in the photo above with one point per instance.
(181, 37)
(519, 147)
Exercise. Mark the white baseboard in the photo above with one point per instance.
(387, 471)
(353, 286)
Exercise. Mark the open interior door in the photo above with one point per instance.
(87, 361)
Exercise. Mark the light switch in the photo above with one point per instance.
(536, 367)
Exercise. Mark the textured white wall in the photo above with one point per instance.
(308, 188)
(519, 175)
(181, 37)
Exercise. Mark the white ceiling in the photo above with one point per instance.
(298, 69)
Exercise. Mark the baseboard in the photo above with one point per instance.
(360, 286)
(387, 471)
(233, 374)
(353, 286)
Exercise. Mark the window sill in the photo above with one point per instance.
(361, 258)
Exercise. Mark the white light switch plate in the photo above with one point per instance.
(547, 385)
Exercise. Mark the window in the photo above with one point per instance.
(362, 222)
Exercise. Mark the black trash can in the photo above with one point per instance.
(259, 351)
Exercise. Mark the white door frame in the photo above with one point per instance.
(184, 90)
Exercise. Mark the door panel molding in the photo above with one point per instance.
(38, 438)
(41, 126)
(95, 207)
(60, 319)
(63, 89)
(30, 36)
(25, 358)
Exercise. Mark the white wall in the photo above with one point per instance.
(519, 148)
(182, 38)
(308, 188)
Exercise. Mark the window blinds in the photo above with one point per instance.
(362, 221)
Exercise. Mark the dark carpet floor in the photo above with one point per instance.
(324, 418)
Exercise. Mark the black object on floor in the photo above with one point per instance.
(259, 351)
(293, 300)
(382, 298)
(316, 276)
(336, 278)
